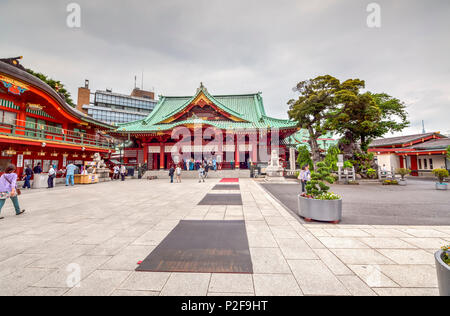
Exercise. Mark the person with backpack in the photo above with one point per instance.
(171, 173)
(8, 189)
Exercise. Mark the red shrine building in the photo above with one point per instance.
(233, 130)
(38, 126)
(421, 153)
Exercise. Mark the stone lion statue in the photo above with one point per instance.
(100, 163)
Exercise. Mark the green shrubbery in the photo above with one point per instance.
(403, 172)
(446, 258)
(441, 174)
(316, 188)
(390, 182)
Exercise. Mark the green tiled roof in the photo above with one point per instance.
(302, 136)
(249, 108)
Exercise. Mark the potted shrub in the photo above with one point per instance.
(319, 204)
(402, 172)
(441, 174)
(443, 270)
(371, 173)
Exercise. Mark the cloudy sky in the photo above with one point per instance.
(240, 46)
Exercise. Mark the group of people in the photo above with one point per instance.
(191, 164)
(119, 172)
(69, 172)
(203, 169)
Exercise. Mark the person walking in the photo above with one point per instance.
(116, 172)
(27, 178)
(70, 174)
(123, 172)
(171, 173)
(201, 174)
(8, 189)
(232, 164)
(305, 177)
(214, 162)
(178, 173)
(206, 170)
(51, 177)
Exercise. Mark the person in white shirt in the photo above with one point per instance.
(178, 173)
(123, 172)
(51, 177)
(116, 173)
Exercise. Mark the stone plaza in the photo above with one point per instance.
(104, 230)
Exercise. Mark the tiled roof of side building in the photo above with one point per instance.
(437, 144)
(391, 141)
(247, 107)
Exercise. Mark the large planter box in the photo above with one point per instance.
(443, 274)
(319, 210)
(441, 186)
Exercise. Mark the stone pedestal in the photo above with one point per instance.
(40, 181)
(275, 172)
(103, 174)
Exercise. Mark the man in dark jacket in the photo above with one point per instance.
(28, 175)
(38, 169)
(171, 173)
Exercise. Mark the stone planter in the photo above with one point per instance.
(320, 210)
(441, 186)
(402, 182)
(443, 274)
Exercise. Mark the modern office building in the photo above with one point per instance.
(115, 108)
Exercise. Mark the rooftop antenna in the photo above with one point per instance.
(142, 80)
(135, 82)
(423, 127)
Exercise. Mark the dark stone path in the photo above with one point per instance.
(373, 204)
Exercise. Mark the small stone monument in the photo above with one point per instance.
(274, 172)
(101, 169)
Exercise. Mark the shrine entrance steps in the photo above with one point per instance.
(219, 174)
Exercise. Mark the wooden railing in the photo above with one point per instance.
(51, 133)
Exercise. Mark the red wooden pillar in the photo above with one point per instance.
(161, 156)
(146, 154)
(21, 120)
(414, 166)
(402, 161)
(254, 144)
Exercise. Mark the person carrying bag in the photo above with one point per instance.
(8, 189)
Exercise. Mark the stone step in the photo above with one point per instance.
(219, 174)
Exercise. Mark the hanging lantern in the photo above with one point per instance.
(54, 154)
(75, 155)
(41, 153)
(27, 153)
(10, 152)
(83, 156)
(65, 155)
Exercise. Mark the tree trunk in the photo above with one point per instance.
(315, 152)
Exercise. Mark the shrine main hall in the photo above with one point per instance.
(234, 130)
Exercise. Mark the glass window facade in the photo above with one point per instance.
(112, 108)
(109, 116)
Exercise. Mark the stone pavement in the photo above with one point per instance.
(105, 229)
